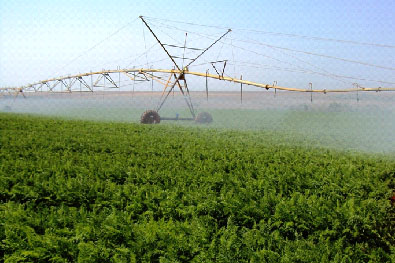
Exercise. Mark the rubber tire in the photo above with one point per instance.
(150, 117)
(204, 117)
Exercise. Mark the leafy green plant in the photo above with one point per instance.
(115, 192)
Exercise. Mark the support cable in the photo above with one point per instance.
(318, 55)
(96, 45)
(254, 42)
(282, 34)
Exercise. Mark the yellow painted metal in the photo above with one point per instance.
(200, 74)
(129, 76)
(154, 78)
(166, 85)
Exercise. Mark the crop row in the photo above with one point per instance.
(89, 192)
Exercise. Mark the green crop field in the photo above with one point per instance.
(75, 190)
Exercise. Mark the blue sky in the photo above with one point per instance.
(40, 39)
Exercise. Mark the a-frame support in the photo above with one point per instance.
(180, 76)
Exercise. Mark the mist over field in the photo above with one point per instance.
(356, 122)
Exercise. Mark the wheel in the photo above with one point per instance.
(150, 117)
(204, 117)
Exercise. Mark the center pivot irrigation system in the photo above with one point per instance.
(152, 116)
(175, 78)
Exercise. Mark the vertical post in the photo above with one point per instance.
(356, 85)
(104, 81)
(207, 85)
(134, 81)
(119, 77)
(91, 81)
(241, 90)
(174, 77)
(311, 92)
(152, 87)
(104, 85)
(183, 55)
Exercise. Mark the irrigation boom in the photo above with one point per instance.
(176, 78)
(35, 86)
